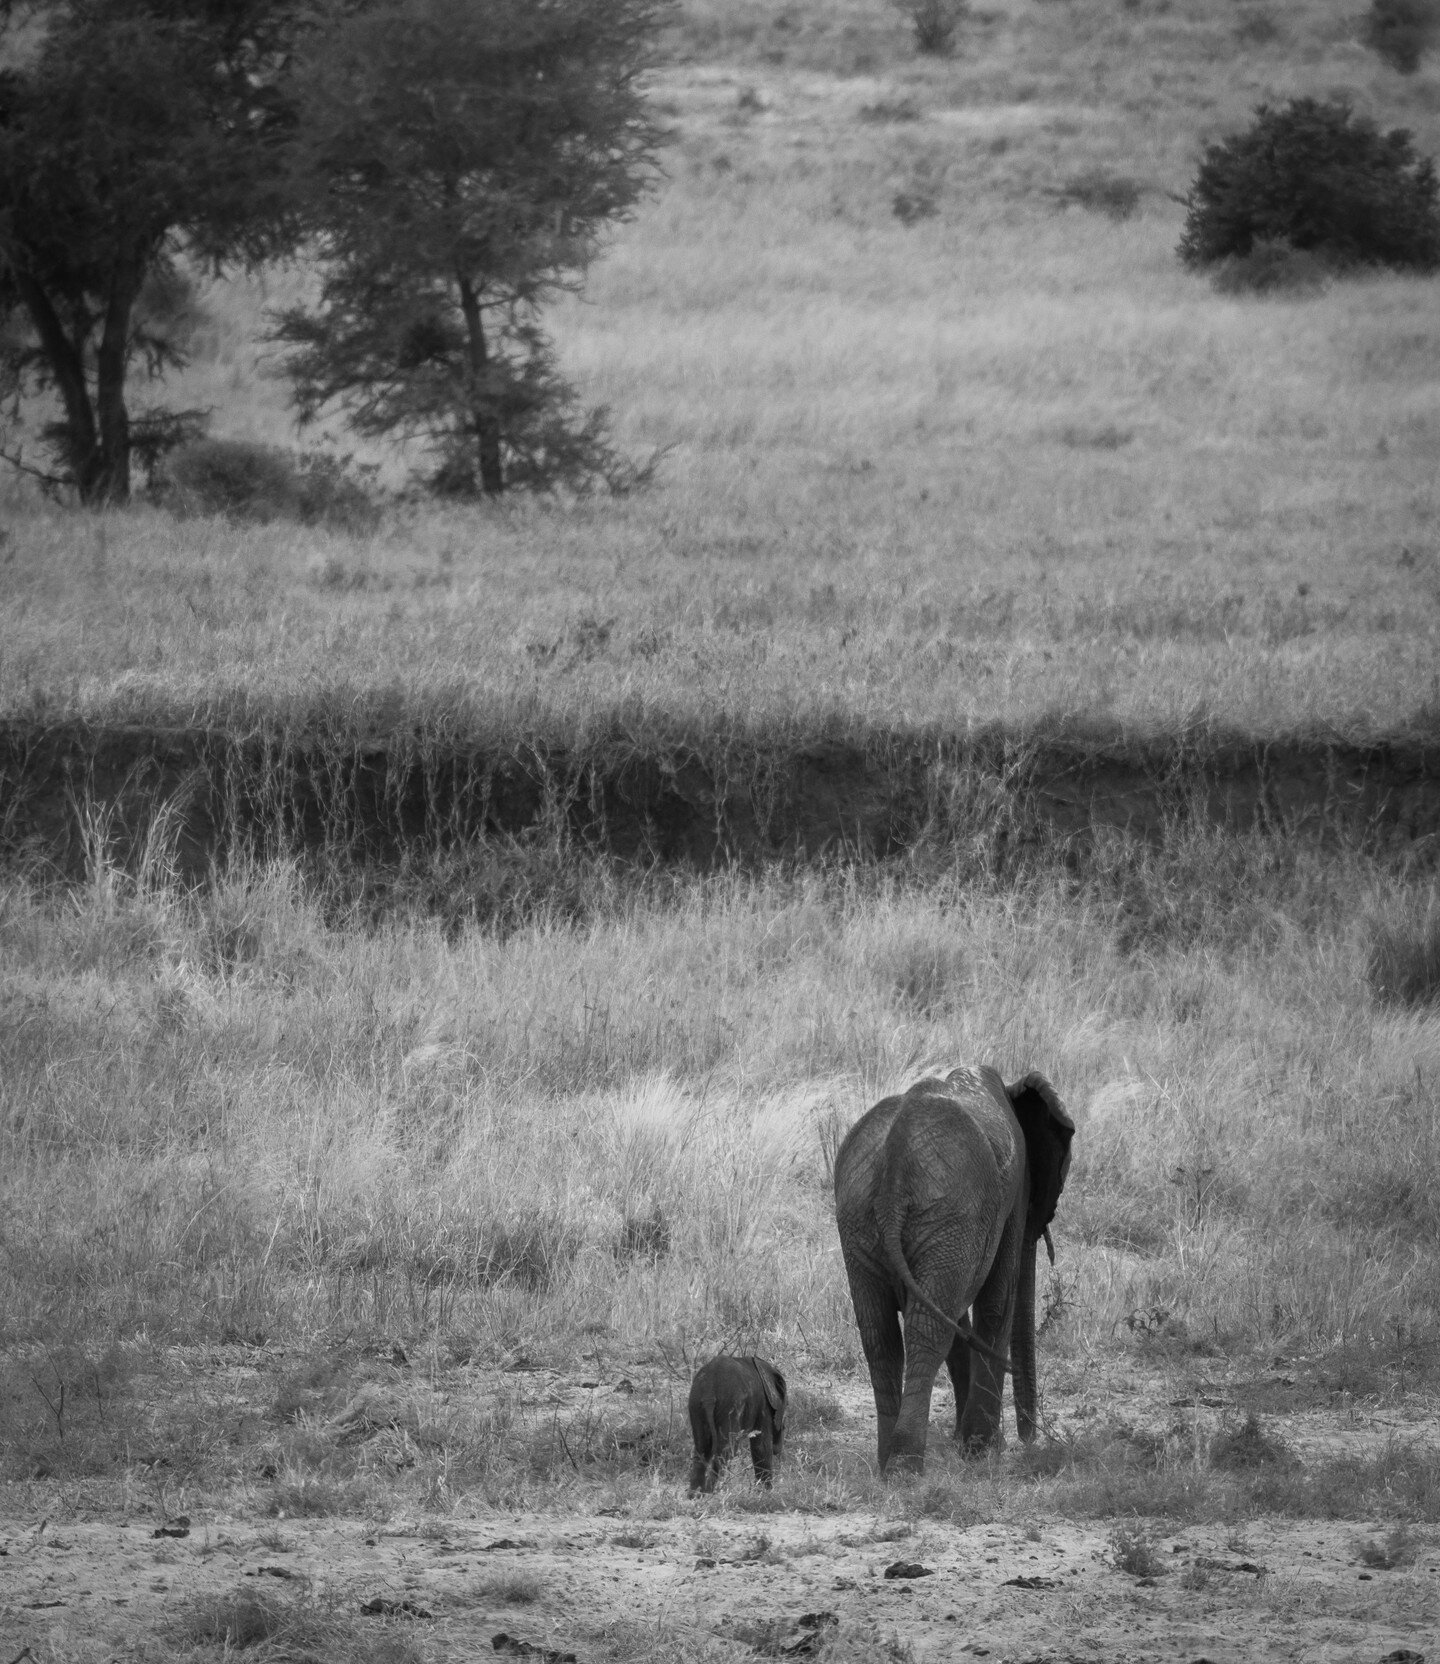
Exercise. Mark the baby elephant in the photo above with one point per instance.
(732, 1399)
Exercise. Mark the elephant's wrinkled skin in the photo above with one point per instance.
(732, 1399)
(941, 1197)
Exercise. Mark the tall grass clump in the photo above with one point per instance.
(934, 23)
(1403, 961)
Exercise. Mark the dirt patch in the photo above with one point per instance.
(376, 800)
(84, 1586)
(90, 1567)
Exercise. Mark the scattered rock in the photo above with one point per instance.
(517, 1648)
(907, 1568)
(382, 1608)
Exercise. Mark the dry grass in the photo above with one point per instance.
(617, 1127)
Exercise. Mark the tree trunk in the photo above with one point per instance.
(487, 423)
(67, 366)
(112, 484)
(97, 431)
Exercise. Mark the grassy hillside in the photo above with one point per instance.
(992, 455)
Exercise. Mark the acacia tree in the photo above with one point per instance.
(461, 159)
(129, 129)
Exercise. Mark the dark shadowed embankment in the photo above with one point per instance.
(205, 794)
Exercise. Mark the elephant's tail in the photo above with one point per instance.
(961, 1325)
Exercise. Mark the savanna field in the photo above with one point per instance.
(370, 1239)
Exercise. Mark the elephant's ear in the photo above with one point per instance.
(1048, 1131)
(774, 1384)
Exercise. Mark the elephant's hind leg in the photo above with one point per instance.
(879, 1323)
(927, 1346)
(993, 1315)
(705, 1464)
(958, 1364)
(762, 1454)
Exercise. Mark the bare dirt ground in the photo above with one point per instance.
(86, 1575)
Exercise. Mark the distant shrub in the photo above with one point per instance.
(1317, 177)
(1403, 964)
(919, 196)
(237, 477)
(935, 23)
(1115, 194)
(245, 480)
(1271, 268)
(1257, 29)
(1236, 1449)
(920, 202)
(1401, 31)
(892, 109)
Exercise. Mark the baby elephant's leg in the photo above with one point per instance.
(762, 1452)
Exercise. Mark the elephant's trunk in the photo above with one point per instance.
(1022, 1341)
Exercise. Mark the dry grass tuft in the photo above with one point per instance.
(511, 1589)
(1403, 963)
(1133, 1550)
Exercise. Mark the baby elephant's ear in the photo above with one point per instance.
(774, 1384)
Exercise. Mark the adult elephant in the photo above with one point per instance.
(942, 1195)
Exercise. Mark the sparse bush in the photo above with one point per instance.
(909, 207)
(314, 1499)
(1403, 964)
(1317, 177)
(935, 23)
(234, 1621)
(245, 480)
(1401, 31)
(644, 1235)
(1132, 1549)
(1099, 192)
(1257, 29)
(331, 494)
(1398, 1548)
(1271, 268)
(891, 109)
(234, 477)
(919, 197)
(1249, 1446)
